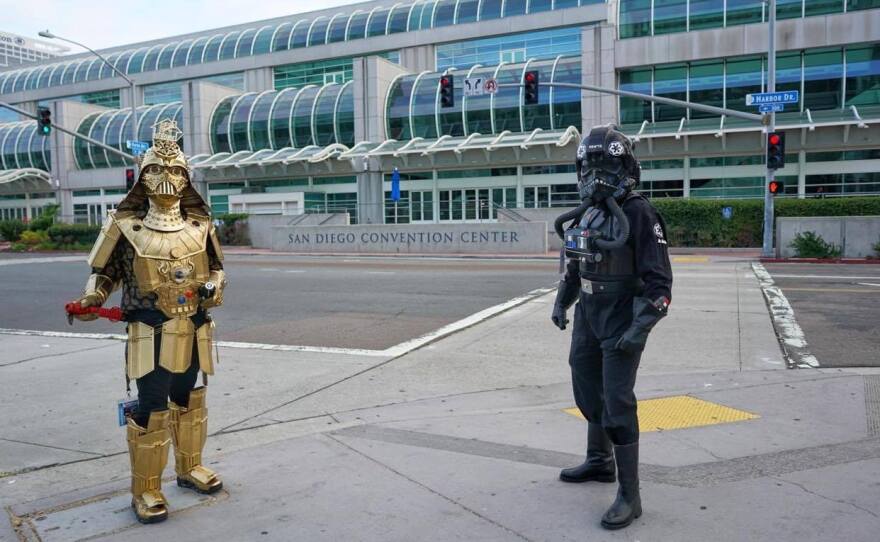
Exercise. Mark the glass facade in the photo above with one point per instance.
(513, 48)
(21, 146)
(639, 18)
(113, 128)
(413, 108)
(823, 78)
(290, 34)
(291, 117)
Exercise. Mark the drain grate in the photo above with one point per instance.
(872, 404)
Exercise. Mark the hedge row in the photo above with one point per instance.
(73, 234)
(700, 223)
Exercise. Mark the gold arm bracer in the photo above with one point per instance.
(103, 247)
(215, 242)
(218, 277)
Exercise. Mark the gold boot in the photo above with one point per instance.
(189, 429)
(148, 450)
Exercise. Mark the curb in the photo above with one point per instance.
(854, 261)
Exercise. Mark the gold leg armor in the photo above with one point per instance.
(148, 450)
(189, 429)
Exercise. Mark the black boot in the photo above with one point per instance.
(599, 465)
(628, 504)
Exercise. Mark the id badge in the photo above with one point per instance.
(124, 409)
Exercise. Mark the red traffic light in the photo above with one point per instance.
(444, 82)
(129, 178)
(531, 77)
(775, 139)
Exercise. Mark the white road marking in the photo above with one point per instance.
(295, 271)
(869, 284)
(394, 351)
(826, 277)
(54, 259)
(791, 336)
(380, 272)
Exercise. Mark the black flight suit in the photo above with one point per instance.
(612, 323)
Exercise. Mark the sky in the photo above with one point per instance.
(107, 23)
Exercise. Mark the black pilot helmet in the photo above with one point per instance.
(606, 165)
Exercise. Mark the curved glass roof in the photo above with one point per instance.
(381, 20)
(412, 106)
(113, 127)
(289, 118)
(22, 147)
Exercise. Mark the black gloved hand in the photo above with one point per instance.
(646, 314)
(567, 293)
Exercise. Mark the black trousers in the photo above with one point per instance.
(602, 376)
(159, 385)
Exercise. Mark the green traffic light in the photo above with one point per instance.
(46, 130)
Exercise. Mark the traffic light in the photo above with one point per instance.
(447, 91)
(776, 187)
(775, 150)
(129, 178)
(44, 123)
(530, 87)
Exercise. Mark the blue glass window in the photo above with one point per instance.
(377, 23)
(318, 32)
(670, 16)
(263, 40)
(281, 37)
(744, 12)
(397, 108)
(70, 71)
(514, 7)
(345, 116)
(444, 13)
(490, 9)
(212, 48)
(227, 48)
(540, 5)
(397, 20)
(279, 122)
(302, 117)
(863, 75)
(336, 30)
(357, 25)
(180, 54)
(194, 55)
(415, 15)
(165, 56)
(706, 14)
(245, 42)
(635, 18)
(823, 79)
(467, 11)
(563, 4)
(299, 37)
(545, 44)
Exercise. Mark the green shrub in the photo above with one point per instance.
(18, 247)
(11, 230)
(699, 223)
(810, 245)
(46, 218)
(229, 219)
(234, 230)
(65, 235)
(876, 247)
(34, 238)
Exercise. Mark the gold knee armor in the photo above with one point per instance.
(148, 451)
(189, 429)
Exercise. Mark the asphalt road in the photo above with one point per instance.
(838, 307)
(370, 303)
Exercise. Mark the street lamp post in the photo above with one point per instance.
(134, 119)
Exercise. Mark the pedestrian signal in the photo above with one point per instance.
(447, 91)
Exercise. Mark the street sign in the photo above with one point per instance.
(727, 213)
(491, 85)
(784, 97)
(771, 108)
(137, 147)
(473, 86)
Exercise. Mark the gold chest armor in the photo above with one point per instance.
(172, 265)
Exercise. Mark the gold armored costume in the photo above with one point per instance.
(160, 247)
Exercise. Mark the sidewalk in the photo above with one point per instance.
(463, 438)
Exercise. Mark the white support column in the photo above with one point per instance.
(802, 174)
(686, 177)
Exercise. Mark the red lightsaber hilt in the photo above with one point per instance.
(114, 314)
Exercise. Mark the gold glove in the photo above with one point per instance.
(218, 278)
(98, 289)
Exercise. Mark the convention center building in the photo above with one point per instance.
(314, 112)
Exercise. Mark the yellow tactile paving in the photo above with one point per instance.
(690, 259)
(680, 412)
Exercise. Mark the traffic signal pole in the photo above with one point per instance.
(767, 245)
(107, 148)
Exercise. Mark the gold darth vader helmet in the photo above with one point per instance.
(164, 192)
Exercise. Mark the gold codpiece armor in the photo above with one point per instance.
(160, 244)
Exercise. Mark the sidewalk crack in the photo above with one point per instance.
(430, 490)
(815, 494)
(55, 354)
